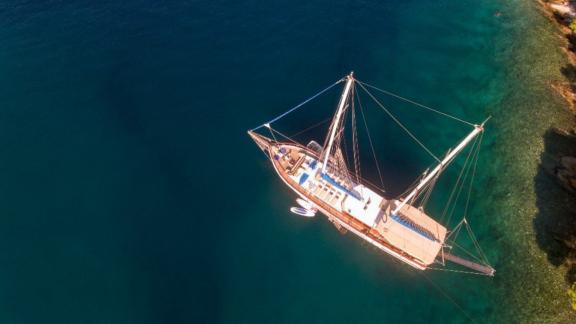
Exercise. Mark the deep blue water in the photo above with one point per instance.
(130, 193)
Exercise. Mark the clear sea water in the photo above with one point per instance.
(130, 193)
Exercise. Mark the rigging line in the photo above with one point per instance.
(298, 106)
(355, 136)
(373, 185)
(311, 127)
(461, 186)
(448, 297)
(340, 140)
(481, 258)
(456, 186)
(469, 229)
(416, 103)
(346, 156)
(425, 196)
(476, 258)
(475, 163)
(456, 228)
(286, 137)
(272, 133)
(414, 184)
(339, 128)
(429, 187)
(364, 180)
(425, 192)
(428, 191)
(477, 245)
(369, 137)
(457, 233)
(452, 208)
(399, 123)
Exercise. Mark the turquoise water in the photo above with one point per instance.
(130, 192)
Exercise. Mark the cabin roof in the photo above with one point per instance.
(413, 231)
(365, 209)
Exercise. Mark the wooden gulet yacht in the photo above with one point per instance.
(323, 182)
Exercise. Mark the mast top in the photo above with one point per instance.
(481, 126)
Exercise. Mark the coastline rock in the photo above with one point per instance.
(563, 8)
(563, 169)
(566, 173)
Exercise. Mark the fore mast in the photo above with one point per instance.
(336, 122)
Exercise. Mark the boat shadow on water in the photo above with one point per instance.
(555, 221)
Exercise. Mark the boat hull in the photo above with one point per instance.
(343, 219)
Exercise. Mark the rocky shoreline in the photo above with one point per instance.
(559, 158)
(562, 165)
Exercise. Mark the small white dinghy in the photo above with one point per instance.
(305, 204)
(303, 211)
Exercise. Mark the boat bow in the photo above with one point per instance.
(263, 142)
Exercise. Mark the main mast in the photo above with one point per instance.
(337, 118)
(477, 130)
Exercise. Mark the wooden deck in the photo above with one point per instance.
(326, 201)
